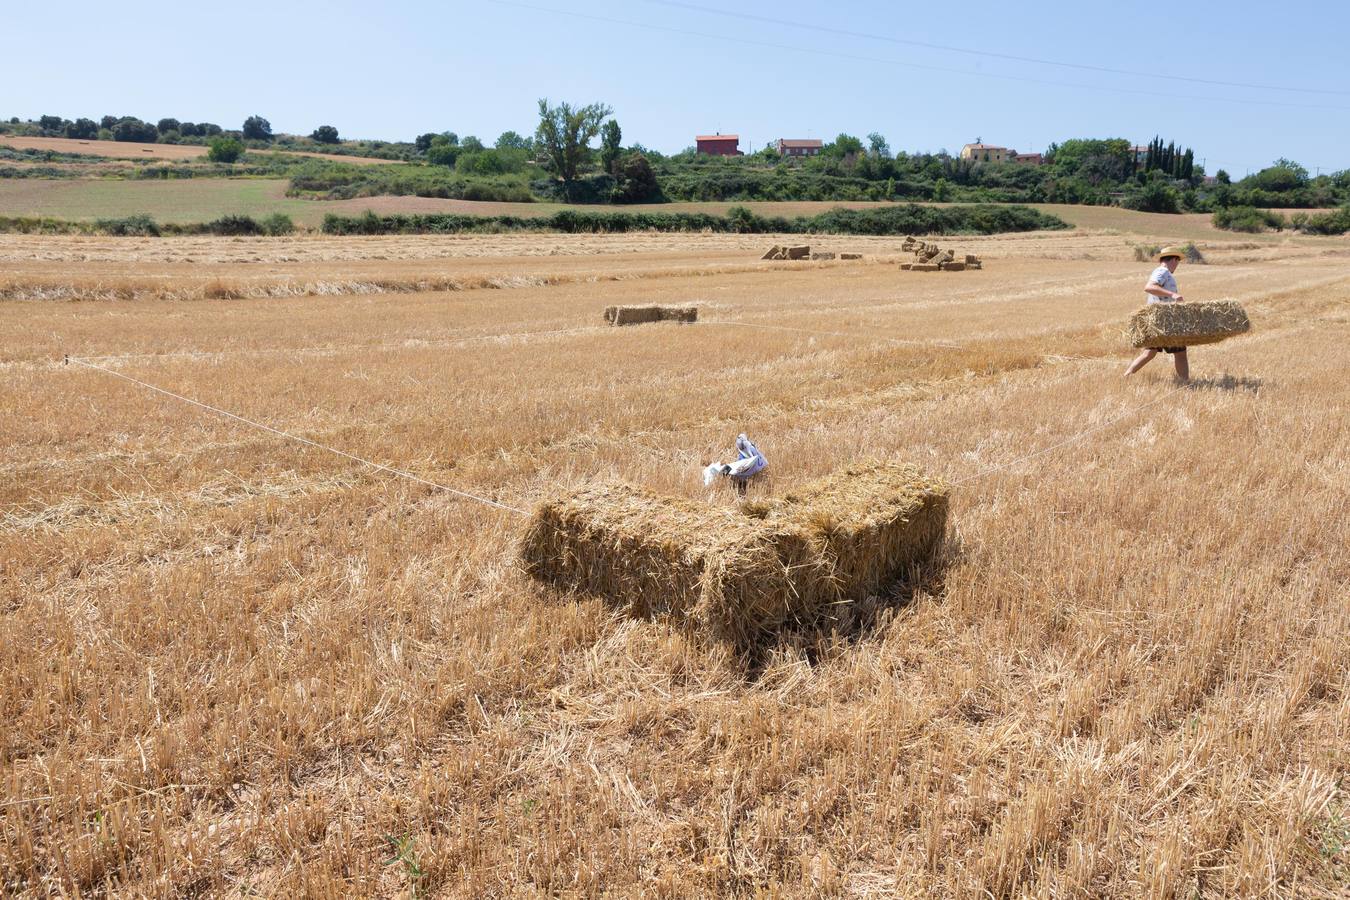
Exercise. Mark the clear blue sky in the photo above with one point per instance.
(397, 69)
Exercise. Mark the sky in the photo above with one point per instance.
(1242, 83)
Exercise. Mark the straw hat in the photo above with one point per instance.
(1179, 252)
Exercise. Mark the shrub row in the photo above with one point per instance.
(1252, 221)
(274, 225)
(905, 219)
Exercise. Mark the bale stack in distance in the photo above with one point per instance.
(638, 315)
(932, 258)
(1161, 325)
(735, 576)
(776, 252)
(822, 255)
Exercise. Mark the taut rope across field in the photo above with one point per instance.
(86, 363)
(295, 437)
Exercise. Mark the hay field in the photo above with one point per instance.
(235, 664)
(156, 152)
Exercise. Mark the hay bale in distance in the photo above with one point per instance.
(1161, 325)
(679, 313)
(734, 575)
(905, 267)
(638, 315)
(952, 266)
(850, 256)
(971, 259)
(774, 253)
(822, 255)
(801, 252)
(924, 267)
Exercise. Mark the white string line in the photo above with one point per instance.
(410, 344)
(374, 465)
(1071, 439)
(872, 337)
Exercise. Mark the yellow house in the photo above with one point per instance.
(986, 153)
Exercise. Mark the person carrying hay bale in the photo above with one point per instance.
(1161, 287)
(749, 463)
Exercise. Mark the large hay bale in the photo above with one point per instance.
(952, 266)
(710, 569)
(801, 252)
(872, 522)
(775, 252)
(1161, 325)
(731, 575)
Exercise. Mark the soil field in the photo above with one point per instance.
(234, 663)
(156, 152)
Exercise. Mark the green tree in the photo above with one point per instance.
(877, 145)
(82, 129)
(256, 128)
(224, 150)
(565, 134)
(471, 144)
(169, 125)
(635, 180)
(326, 134)
(842, 146)
(510, 140)
(611, 136)
(134, 130)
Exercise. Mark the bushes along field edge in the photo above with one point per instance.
(907, 219)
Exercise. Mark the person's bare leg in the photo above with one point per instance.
(1139, 361)
(741, 487)
(1183, 366)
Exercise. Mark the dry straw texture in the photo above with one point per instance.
(234, 665)
(731, 576)
(1185, 324)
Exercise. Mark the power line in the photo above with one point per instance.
(825, 29)
(909, 65)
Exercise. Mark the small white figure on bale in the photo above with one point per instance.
(749, 463)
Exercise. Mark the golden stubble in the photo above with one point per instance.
(233, 663)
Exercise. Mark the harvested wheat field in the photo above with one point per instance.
(235, 663)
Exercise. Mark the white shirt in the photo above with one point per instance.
(1164, 279)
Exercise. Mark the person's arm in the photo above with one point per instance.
(1158, 290)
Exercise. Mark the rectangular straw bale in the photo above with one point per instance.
(951, 266)
(708, 568)
(924, 267)
(801, 252)
(610, 312)
(1161, 325)
(850, 256)
(773, 253)
(971, 259)
(906, 266)
(822, 255)
(870, 521)
(636, 315)
(679, 313)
